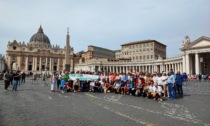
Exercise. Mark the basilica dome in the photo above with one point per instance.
(40, 37)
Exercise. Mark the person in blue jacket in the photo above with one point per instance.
(179, 80)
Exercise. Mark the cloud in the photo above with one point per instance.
(105, 23)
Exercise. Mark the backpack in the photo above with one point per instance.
(6, 76)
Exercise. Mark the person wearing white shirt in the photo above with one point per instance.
(157, 92)
(92, 84)
(116, 86)
(151, 90)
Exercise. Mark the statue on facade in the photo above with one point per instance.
(186, 41)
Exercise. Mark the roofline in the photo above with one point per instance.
(142, 41)
(101, 48)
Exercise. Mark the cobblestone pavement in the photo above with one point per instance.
(35, 105)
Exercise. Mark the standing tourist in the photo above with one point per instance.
(6, 78)
(179, 79)
(185, 78)
(16, 78)
(171, 85)
(165, 85)
(23, 77)
(53, 80)
(59, 80)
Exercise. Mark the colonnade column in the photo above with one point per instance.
(197, 64)
(175, 67)
(184, 63)
(187, 64)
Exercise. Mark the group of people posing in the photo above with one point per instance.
(156, 86)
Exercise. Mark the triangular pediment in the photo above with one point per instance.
(201, 42)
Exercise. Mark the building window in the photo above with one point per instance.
(23, 49)
(151, 56)
(14, 47)
(148, 57)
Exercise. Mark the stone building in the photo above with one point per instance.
(146, 50)
(97, 52)
(38, 54)
(195, 58)
(196, 55)
(2, 62)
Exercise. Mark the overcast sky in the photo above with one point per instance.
(105, 23)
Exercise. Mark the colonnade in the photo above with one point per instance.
(175, 66)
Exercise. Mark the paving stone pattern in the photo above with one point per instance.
(35, 105)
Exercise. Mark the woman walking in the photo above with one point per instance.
(53, 81)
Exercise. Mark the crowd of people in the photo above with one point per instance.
(143, 84)
(158, 86)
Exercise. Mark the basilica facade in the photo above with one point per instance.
(38, 54)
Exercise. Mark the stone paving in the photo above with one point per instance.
(35, 105)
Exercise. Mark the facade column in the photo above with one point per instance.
(197, 64)
(187, 64)
(50, 67)
(123, 69)
(33, 64)
(175, 67)
(178, 67)
(146, 68)
(155, 70)
(161, 68)
(58, 65)
(184, 63)
(172, 66)
(40, 64)
(126, 69)
(26, 65)
(46, 63)
(191, 67)
(19, 63)
(152, 69)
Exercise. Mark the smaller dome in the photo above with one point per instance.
(40, 37)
